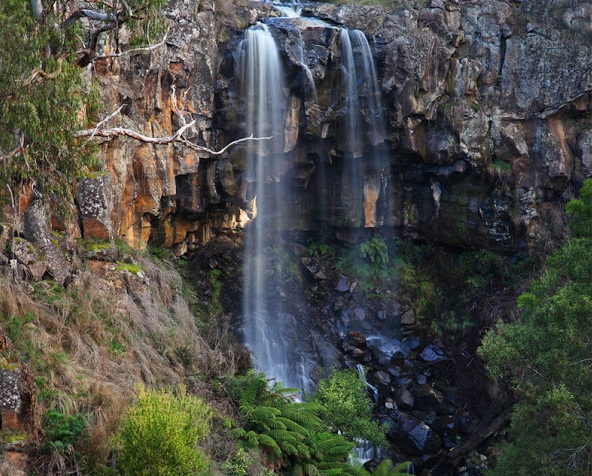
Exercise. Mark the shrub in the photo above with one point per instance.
(158, 435)
(62, 430)
(345, 407)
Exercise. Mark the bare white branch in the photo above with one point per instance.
(120, 131)
(196, 147)
(95, 130)
(92, 14)
(176, 137)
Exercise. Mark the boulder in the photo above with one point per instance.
(411, 434)
(36, 230)
(28, 254)
(95, 203)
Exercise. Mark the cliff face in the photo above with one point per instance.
(488, 124)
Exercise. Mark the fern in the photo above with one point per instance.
(385, 468)
(303, 415)
(269, 443)
(251, 439)
(292, 425)
(284, 435)
(237, 433)
(251, 393)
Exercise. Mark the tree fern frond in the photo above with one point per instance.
(269, 443)
(284, 435)
(277, 390)
(401, 468)
(264, 415)
(237, 433)
(287, 448)
(304, 451)
(251, 393)
(383, 468)
(311, 470)
(297, 470)
(338, 466)
(302, 416)
(338, 451)
(251, 439)
(328, 443)
(292, 425)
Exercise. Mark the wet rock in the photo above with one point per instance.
(404, 399)
(383, 378)
(339, 303)
(408, 317)
(342, 283)
(433, 354)
(311, 264)
(427, 398)
(354, 340)
(398, 357)
(412, 435)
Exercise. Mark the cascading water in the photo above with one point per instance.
(364, 125)
(269, 330)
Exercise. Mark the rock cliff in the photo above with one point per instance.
(487, 107)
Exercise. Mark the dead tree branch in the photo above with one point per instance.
(90, 14)
(176, 137)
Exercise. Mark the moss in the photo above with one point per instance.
(94, 245)
(8, 436)
(131, 267)
(95, 175)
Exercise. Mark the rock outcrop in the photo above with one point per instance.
(487, 108)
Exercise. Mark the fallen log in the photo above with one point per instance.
(486, 428)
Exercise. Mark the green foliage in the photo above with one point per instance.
(369, 263)
(216, 287)
(547, 357)
(386, 468)
(375, 250)
(290, 433)
(158, 435)
(61, 430)
(41, 97)
(318, 250)
(346, 408)
(581, 211)
(285, 265)
(242, 464)
(131, 267)
(14, 325)
(453, 291)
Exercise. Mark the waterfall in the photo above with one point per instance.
(270, 331)
(363, 169)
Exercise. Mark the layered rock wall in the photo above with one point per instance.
(488, 117)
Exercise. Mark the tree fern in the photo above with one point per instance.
(341, 468)
(331, 447)
(269, 444)
(385, 468)
(292, 425)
